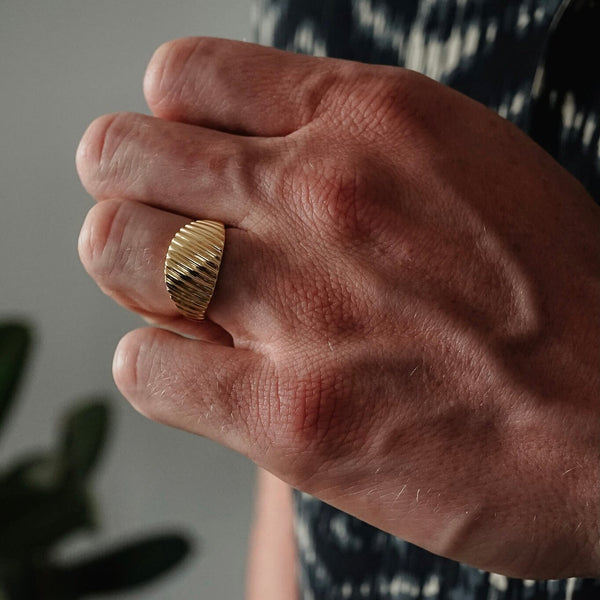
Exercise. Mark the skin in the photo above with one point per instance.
(271, 569)
(407, 319)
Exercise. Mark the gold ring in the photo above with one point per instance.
(192, 265)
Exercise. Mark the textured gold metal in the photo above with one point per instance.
(192, 265)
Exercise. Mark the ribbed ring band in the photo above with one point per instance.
(192, 265)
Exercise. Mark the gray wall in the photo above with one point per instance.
(62, 63)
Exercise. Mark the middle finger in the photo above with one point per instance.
(190, 170)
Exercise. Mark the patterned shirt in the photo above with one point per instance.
(535, 63)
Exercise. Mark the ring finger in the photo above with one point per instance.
(123, 246)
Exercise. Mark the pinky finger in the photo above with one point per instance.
(201, 387)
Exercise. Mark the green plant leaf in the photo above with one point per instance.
(129, 566)
(33, 520)
(84, 433)
(15, 341)
(36, 471)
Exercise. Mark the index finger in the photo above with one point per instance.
(237, 86)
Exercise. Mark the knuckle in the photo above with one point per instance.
(400, 100)
(235, 165)
(315, 95)
(351, 199)
(307, 399)
(168, 79)
(339, 199)
(319, 422)
(380, 103)
(101, 240)
(99, 158)
(406, 109)
(225, 159)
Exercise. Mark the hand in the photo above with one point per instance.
(407, 319)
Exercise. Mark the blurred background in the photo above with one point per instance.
(62, 63)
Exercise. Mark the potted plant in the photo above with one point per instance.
(45, 497)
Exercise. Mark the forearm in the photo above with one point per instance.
(271, 569)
